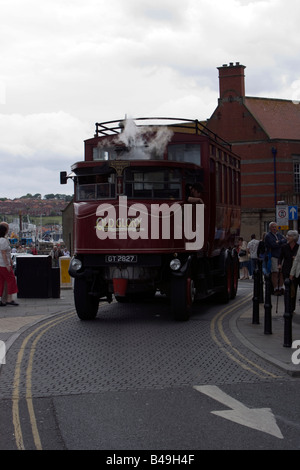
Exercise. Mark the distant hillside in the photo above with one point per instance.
(31, 207)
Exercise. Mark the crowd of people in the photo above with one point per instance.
(55, 253)
(279, 256)
(30, 249)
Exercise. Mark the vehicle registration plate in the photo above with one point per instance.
(121, 258)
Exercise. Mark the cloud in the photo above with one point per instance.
(40, 135)
(35, 148)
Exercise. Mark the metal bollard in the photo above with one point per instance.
(268, 305)
(288, 314)
(255, 311)
(261, 281)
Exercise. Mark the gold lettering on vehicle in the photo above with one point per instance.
(119, 166)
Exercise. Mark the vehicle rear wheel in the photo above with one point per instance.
(182, 297)
(86, 304)
(234, 276)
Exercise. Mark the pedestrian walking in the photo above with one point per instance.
(262, 254)
(243, 257)
(273, 242)
(285, 262)
(288, 253)
(6, 269)
(4, 292)
(252, 251)
(56, 253)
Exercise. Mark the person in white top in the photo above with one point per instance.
(252, 250)
(6, 269)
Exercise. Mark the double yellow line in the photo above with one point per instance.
(39, 331)
(233, 353)
(216, 330)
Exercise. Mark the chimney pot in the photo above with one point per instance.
(232, 80)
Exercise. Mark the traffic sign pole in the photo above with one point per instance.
(282, 217)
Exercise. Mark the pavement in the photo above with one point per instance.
(268, 339)
(15, 320)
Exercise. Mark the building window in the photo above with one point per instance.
(296, 161)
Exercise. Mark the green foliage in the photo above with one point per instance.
(61, 197)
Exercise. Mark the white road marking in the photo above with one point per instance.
(261, 419)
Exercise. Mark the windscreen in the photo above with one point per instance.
(138, 182)
(95, 187)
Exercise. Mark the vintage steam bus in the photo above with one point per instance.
(137, 228)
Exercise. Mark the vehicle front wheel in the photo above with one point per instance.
(182, 297)
(86, 304)
(226, 283)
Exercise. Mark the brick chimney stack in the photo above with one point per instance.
(232, 80)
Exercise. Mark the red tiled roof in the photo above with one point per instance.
(280, 119)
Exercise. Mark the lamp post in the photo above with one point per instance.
(274, 152)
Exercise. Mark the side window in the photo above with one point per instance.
(190, 153)
(192, 177)
(296, 164)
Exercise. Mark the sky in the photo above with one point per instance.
(67, 64)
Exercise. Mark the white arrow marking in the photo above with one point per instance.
(261, 419)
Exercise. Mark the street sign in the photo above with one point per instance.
(282, 215)
(293, 212)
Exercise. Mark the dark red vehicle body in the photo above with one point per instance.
(131, 212)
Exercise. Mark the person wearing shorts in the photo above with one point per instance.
(273, 243)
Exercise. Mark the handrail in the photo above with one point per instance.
(116, 127)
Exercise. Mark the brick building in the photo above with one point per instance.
(266, 134)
